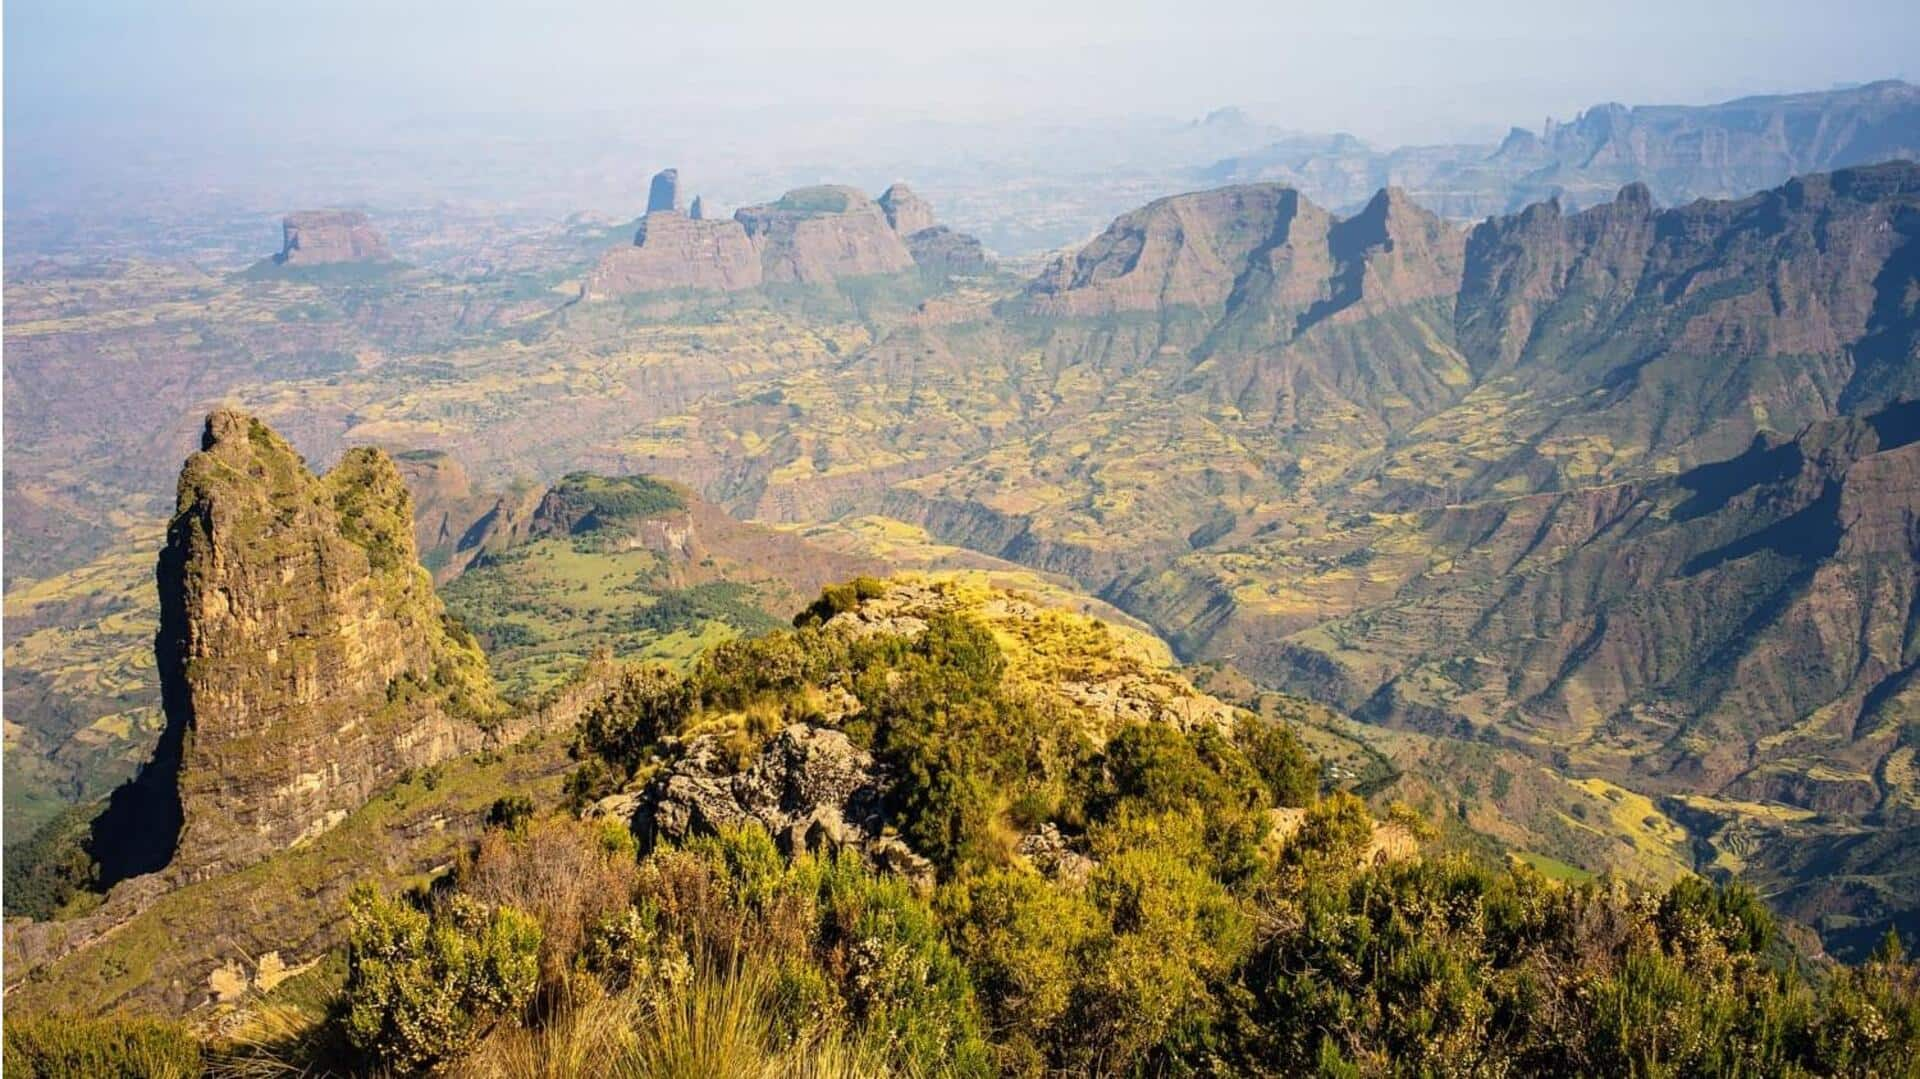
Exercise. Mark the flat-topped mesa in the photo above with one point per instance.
(663, 194)
(305, 662)
(817, 235)
(809, 236)
(325, 237)
(671, 251)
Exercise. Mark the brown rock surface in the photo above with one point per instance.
(671, 251)
(323, 237)
(817, 235)
(304, 660)
(942, 250)
(454, 520)
(907, 212)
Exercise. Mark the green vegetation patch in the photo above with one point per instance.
(68, 1047)
(824, 199)
(592, 502)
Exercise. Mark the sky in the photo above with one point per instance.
(1391, 72)
(107, 98)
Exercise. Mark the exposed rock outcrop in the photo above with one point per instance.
(663, 194)
(324, 237)
(907, 212)
(810, 787)
(304, 660)
(817, 235)
(943, 251)
(809, 236)
(696, 211)
(456, 521)
(671, 251)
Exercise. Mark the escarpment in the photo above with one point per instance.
(809, 236)
(304, 659)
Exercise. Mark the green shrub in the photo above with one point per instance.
(1336, 830)
(63, 1047)
(420, 990)
(840, 598)
(1151, 769)
(644, 705)
(1291, 774)
(511, 812)
(53, 865)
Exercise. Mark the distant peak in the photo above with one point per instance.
(318, 237)
(906, 211)
(663, 194)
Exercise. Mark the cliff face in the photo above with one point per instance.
(456, 521)
(816, 235)
(1705, 324)
(906, 211)
(1183, 251)
(672, 251)
(322, 237)
(941, 250)
(663, 194)
(809, 236)
(304, 659)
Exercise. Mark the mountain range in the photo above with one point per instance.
(1681, 152)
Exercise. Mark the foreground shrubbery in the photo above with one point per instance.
(1191, 942)
(727, 958)
(977, 757)
(723, 958)
(58, 1047)
(1169, 931)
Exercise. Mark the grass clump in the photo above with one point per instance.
(69, 1047)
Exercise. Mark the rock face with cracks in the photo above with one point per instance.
(305, 662)
(810, 787)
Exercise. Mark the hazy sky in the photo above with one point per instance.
(222, 113)
(1392, 72)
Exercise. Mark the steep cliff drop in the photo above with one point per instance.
(304, 659)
